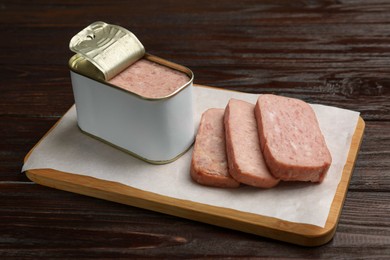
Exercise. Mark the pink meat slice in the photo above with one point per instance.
(209, 163)
(150, 79)
(246, 163)
(291, 139)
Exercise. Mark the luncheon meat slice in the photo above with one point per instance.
(209, 164)
(246, 163)
(291, 140)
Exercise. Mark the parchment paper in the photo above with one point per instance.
(69, 150)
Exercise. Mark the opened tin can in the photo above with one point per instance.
(135, 101)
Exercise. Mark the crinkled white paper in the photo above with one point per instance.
(69, 150)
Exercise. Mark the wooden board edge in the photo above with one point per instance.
(341, 193)
(296, 233)
(228, 218)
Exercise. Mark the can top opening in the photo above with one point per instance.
(110, 48)
(111, 54)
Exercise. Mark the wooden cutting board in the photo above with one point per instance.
(296, 233)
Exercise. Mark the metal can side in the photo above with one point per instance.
(156, 130)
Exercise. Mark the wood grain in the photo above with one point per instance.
(301, 234)
(333, 52)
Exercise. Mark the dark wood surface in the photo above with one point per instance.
(330, 52)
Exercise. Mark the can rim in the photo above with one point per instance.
(157, 162)
(110, 48)
(95, 74)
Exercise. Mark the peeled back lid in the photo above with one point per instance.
(110, 48)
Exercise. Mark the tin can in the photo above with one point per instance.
(155, 129)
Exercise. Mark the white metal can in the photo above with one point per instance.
(155, 129)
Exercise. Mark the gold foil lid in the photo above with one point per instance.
(110, 48)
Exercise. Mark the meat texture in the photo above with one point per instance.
(291, 139)
(209, 163)
(150, 79)
(246, 163)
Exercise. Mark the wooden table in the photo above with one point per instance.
(329, 52)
